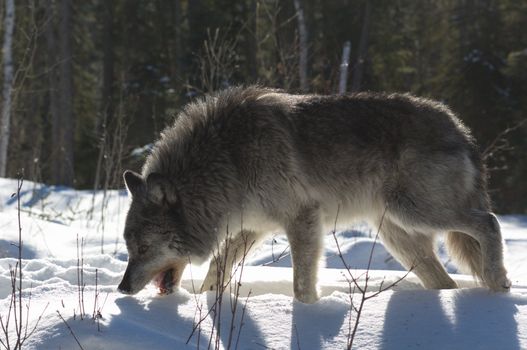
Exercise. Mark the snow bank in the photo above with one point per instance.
(57, 221)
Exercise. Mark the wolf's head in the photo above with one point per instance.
(155, 234)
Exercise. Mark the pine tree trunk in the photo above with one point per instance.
(7, 60)
(251, 47)
(196, 32)
(108, 61)
(107, 106)
(358, 70)
(67, 121)
(343, 80)
(177, 47)
(60, 65)
(302, 42)
(54, 97)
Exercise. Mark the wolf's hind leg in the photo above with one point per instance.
(232, 251)
(484, 228)
(416, 251)
(465, 252)
(304, 233)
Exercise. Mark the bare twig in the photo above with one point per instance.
(275, 259)
(500, 142)
(28, 335)
(71, 330)
(354, 283)
(217, 60)
(241, 319)
(237, 285)
(16, 302)
(97, 310)
(20, 182)
(224, 262)
(80, 276)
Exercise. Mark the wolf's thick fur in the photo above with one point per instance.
(270, 159)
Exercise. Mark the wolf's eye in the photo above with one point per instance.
(143, 249)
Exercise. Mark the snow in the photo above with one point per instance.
(59, 222)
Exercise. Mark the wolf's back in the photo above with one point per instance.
(259, 139)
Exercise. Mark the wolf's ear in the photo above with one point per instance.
(134, 182)
(160, 190)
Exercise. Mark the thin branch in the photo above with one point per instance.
(353, 281)
(20, 182)
(71, 330)
(36, 323)
(279, 257)
(241, 319)
(500, 143)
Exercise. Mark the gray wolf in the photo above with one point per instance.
(257, 159)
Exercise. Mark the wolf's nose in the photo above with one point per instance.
(124, 287)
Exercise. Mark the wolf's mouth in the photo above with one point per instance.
(164, 281)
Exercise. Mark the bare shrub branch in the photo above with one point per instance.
(224, 264)
(353, 282)
(500, 145)
(71, 330)
(15, 310)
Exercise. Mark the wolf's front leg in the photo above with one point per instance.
(304, 233)
(232, 251)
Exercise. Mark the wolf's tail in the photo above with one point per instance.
(465, 251)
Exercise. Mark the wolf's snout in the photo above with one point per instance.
(124, 287)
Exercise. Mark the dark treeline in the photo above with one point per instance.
(96, 81)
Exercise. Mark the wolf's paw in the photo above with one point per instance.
(498, 282)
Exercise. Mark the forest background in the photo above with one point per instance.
(88, 85)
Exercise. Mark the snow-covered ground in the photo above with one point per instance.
(56, 221)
